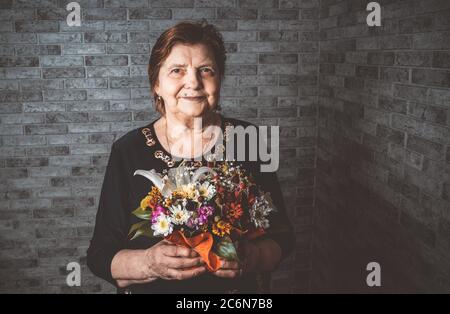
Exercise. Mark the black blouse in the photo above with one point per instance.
(122, 192)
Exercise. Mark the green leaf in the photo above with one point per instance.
(142, 213)
(226, 249)
(141, 228)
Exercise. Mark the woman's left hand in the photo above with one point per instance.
(248, 253)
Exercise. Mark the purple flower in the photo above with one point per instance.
(157, 212)
(203, 213)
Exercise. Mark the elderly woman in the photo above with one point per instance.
(186, 67)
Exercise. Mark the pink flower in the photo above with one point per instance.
(157, 212)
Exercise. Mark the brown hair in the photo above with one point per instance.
(188, 33)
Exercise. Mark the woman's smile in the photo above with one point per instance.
(194, 99)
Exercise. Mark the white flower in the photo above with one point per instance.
(163, 225)
(179, 215)
(259, 212)
(206, 190)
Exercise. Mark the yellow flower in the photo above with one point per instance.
(221, 228)
(154, 197)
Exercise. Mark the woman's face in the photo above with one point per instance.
(189, 81)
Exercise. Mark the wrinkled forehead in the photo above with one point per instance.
(189, 55)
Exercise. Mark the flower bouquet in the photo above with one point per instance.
(207, 209)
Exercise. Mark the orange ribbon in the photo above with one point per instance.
(202, 244)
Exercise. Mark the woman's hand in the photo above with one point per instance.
(248, 253)
(173, 262)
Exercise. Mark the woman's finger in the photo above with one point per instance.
(183, 262)
(228, 273)
(176, 274)
(229, 265)
(179, 251)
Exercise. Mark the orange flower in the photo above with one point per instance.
(221, 228)
(235, 212)
(152, 199)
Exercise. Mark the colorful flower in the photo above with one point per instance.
(162, 226)
(221, 228)
(260, 210)
(235, 211)
(206, 190)
(179, 215)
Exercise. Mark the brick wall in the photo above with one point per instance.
(66, 93)
(383, 159)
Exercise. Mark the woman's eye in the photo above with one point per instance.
(207, 71)
(176, 71)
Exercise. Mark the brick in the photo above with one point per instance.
(235, 13)
(428, 113)
(88, 105)
(10, 108)
(367, 72)
(258, 4)
(22, 118)
(234, 69)
(18, 61)
(108, 72)
(392, 105)
(61, 61)
(441, 59)
(63, 72)
(209, 3)
(266, 58)
(435, 40)
(192, 14)
(20, 38)
(105, 14)
(45, 129)
(147, 37)
(106, 60)
(431, 77)
(48, 151)
(66, 117)
(83, 49)
(394, 74)
(51, 14)
(440, 97)
(111, 117)
(380, 58)
(15, 96)
(278, 36)
(60, 38)
(417, 24)
(126, 26)
(414, 93)
(108, 94)
(413, 58)
(9, 85)
(86, 26)
(425, 147)
(37, 26)
(105, 37)
(38, 50)
(239, 92)
(65, 139)
(406, 123)
(271, 14)
(129, 82)
(86, 83)
(55, 95)
(128, 48)
(126, 3)
(141, 14)
(43, 107)
(256, 25)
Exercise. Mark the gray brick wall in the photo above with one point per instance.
(66, 93)
(383, 165)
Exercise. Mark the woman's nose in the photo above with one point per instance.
(193, 80)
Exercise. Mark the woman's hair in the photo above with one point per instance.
(187, 33)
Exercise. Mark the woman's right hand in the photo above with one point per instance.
(173, 262)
